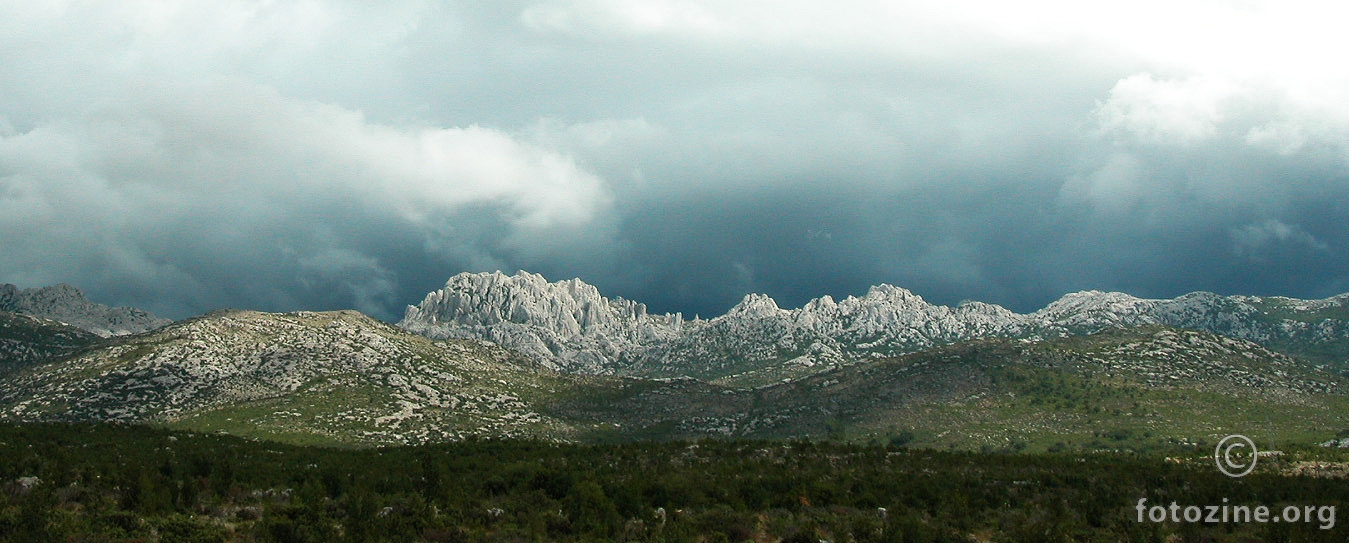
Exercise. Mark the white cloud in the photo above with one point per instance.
(184, 144)
(1198, 110)
(227, 138)
(242, 168)
(1253, 239)
(635, 17)
(1303, 131)
(1186, 63)
(1184, 112)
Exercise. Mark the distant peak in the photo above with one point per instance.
(498, 277)
(756, 305)
(522, 275)
(9, 295)
(1081, 295)
(67, 304)
(65, 288)
(888, 291)
(1092, 297)
(60, 291)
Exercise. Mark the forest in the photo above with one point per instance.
(122, 483)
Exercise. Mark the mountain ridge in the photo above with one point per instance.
(518, 356)
(570, 326)
(67, 304)
(343, 378)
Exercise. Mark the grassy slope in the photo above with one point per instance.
(1139, 389)
(1004, 395)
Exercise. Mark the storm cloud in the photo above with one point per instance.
(324, 154)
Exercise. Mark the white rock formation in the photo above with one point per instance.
(570, 326)
(567, 325)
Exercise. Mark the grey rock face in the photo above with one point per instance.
(566, 325)
(66, 304)
(571, 327)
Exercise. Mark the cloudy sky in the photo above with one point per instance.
(186, 156)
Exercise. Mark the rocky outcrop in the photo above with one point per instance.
(567, 325)
(66, 304)
(570, 326)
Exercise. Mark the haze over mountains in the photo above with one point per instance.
(516, 355)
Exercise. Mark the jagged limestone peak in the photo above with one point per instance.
(570, 325)
(566, 324)
(569, 308)
(891, 293)
(756, 306)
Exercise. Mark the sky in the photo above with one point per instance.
(280, 155)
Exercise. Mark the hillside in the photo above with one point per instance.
(26, 340)
(343, 378)
(1127, 389)
(325, 377)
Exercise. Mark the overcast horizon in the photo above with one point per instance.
(324, 154)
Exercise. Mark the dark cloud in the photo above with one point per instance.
(326, 154)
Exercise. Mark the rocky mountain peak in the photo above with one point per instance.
(1090, 299)
(569, 325)
(756, 306)
(66, 304)
(893, 294)
(569, 308)
(566, 324)
(1094, 308)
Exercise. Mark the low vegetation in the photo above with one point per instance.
(131, 483)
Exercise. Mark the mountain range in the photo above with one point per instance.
(570, 327)
(519, 356)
